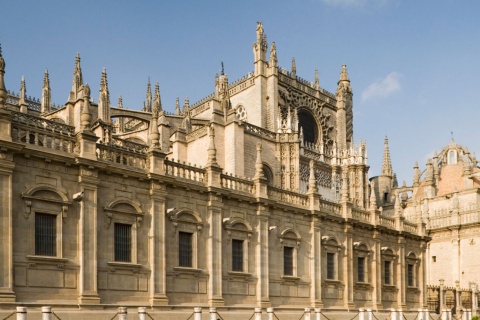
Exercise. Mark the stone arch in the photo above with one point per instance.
(37, 191)
(121, 205)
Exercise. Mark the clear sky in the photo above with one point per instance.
(413, 65)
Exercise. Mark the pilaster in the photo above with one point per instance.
(88, 243)
(214, 249)
(6, 228)
(377, 273)
(401, 278)
(261, 257)
(316, 263)
(348, 268)
(158, 277)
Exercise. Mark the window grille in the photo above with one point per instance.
(361, 269)
(45, 234)
(237, 255)
(387, 272)
(185, 249)
(123, 242)
(410, 275)
(330, 265)
(288, 261)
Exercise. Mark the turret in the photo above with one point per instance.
(3, 90)
(77, 82)
(260, 50)
(46, 105)
(344, 110)
(23, 96)
(104, 99)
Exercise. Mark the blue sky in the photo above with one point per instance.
(413, 65)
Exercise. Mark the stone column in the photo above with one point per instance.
(261, 257)
(377, 272)
(401, 281)
(422, 274)
(442, 294)
(157, 254)
(6, 228)
(316, 263)
(214, 249)
(87, 246)
(347, 268)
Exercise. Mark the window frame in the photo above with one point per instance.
(128, 245)
(388, 258)
(238, 229)
(57, 242)
(290, 238)
(360, 250)
(186, 221)
(411, 260)
(331, 247)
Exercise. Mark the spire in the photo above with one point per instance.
(294, 68)
(316, 82)
(148, 98)
(45, 106)
(104, 99)
(260, 48)
(344, 74)
(77, 81)
(273, 55)
(157, 102)
(120, 103)
(85, 116)
(23, 96)
(386, 163)
(3, 90)
(258, 163)
(211, 151)
(177, 107)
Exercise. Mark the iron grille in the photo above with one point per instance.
(361, 269)
(288, 261)
(185, 249)
(123, 242)
(237, 255)
(45, 235)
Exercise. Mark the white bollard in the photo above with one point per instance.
(464, 314)
(269, 313)
(197, 313)
(449, 314)
(213, 313)
(426, 312)
(469, 314)
(369, 314)
(318, 314)
(444, 314)
(400, 314)
(420, 314)
(142, 313)
(21, 313)
(393, 314)
(307, 314)
(46, 313)
(361, 314)
(258, 313)
(122, 313)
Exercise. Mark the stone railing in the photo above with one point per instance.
(287, 196)
(360, 214)
(330, 207)
(42, 132)
(194, 135)
(130, 145)
(122, 156)
(469, 217)
(185, 171)
(202, 105)
(410, 227)
(238, 184)
(387, 221)
(258, 131)
(241, 84)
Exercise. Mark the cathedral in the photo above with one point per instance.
(255, 196)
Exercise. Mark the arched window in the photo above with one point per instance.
(331, 250)
(452, 157)
(239, 233)
(290, 240)
(267, 172)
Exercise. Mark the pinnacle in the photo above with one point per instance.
(344, 73)
(386, 163)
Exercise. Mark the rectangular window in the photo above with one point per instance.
(410, 275)
(45, 234)
(387, 272)
(237, 255)
(361, 269)
(185, 249)
(331, 266)
(123, 242)
(288, 261)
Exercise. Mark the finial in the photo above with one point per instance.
(177, 106)
(386, 163)
(373, 199)
(294, 67)
(316, 81)
(154, 135)
(157, 102)
(258, 163)
(120, 102)
(3, 90)
(223, 72)
(344, 73)
(85, 116)
(451, 136)
(273, 55)
(312, 182)
(46, 97)
(186, 107)
(148, 106)
(211, 151)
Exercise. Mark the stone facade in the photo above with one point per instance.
(444, 197)
(254, 196)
